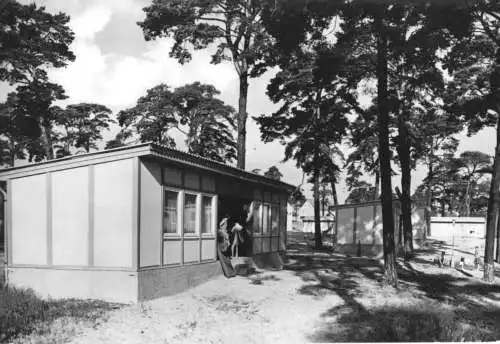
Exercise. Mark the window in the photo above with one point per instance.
(189, 213)
(206, 215)
(269, 219)
(170, 212)
(274, 220)
(265, 218)
(256, 222)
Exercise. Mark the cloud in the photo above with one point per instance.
(92, 21)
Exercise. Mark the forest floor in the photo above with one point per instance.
(317, 297)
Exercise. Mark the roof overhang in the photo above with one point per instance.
(141, 150)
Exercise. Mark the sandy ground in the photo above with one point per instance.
(264, 308)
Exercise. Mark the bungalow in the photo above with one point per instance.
(358, 227)
(131, 223)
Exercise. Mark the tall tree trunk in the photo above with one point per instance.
(334, 191)
(494, 199)
(47, 139)
(491, 218)
(242, 119)
(318, 242)
(428, 207)
(498, 238)
(467, 199)
(323, 199)
(12, 152)
(390, 273)
(404, 158)
(377, 185)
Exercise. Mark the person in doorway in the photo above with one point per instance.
(238, 238)
(238, 230)
(223, 235)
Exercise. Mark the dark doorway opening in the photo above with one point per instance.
(235, 209)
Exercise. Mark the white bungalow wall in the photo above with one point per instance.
(364, 225)
(345, 223)
(151, 215)
(70, 217)
(377, 231)
(366, 222)
(28, 234)
(114, 213)
(77, 217)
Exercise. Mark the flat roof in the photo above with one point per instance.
(150, 149)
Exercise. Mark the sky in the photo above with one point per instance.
(115, 66)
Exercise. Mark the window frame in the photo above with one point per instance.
(196, 215)
(180, 199)
(276, 207)
(214, 214)
(181, 193)
(257, 220)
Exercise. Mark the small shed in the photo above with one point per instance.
(467, 227)
(131, 223)
(467, 233)
(359, 227)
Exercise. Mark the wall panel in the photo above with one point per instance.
(364, 225)
(378, 226)
(208, 249)
(345, 226)
(113, 214)
(151, 214)
(191, 251)
(70, 216)
(172, 252)
(266, 244)
(418, 223)
(29, 220)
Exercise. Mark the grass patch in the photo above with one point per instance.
(423, 322)
(410, 324)
(23, 314)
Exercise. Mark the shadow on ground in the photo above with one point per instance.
(431, 304)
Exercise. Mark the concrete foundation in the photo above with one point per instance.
(365, 250)
(164, 281)
(271, 260)
(113, 286)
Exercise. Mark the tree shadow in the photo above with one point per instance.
(468, 315)
(259, 280)
(405, 324)
(327, 275)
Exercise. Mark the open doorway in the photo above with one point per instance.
(235, 209)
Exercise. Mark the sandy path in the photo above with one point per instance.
(221, 311)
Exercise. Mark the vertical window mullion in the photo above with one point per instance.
(198, 216)
(261, 218)
(214, 215)
(180, 213)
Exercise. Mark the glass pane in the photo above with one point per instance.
(206, 215)
(170, 212)
(256, 218)
(265, 218)
(269, 219)
(189, 213)
(274, 220)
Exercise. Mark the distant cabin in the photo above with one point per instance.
(358, 227)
